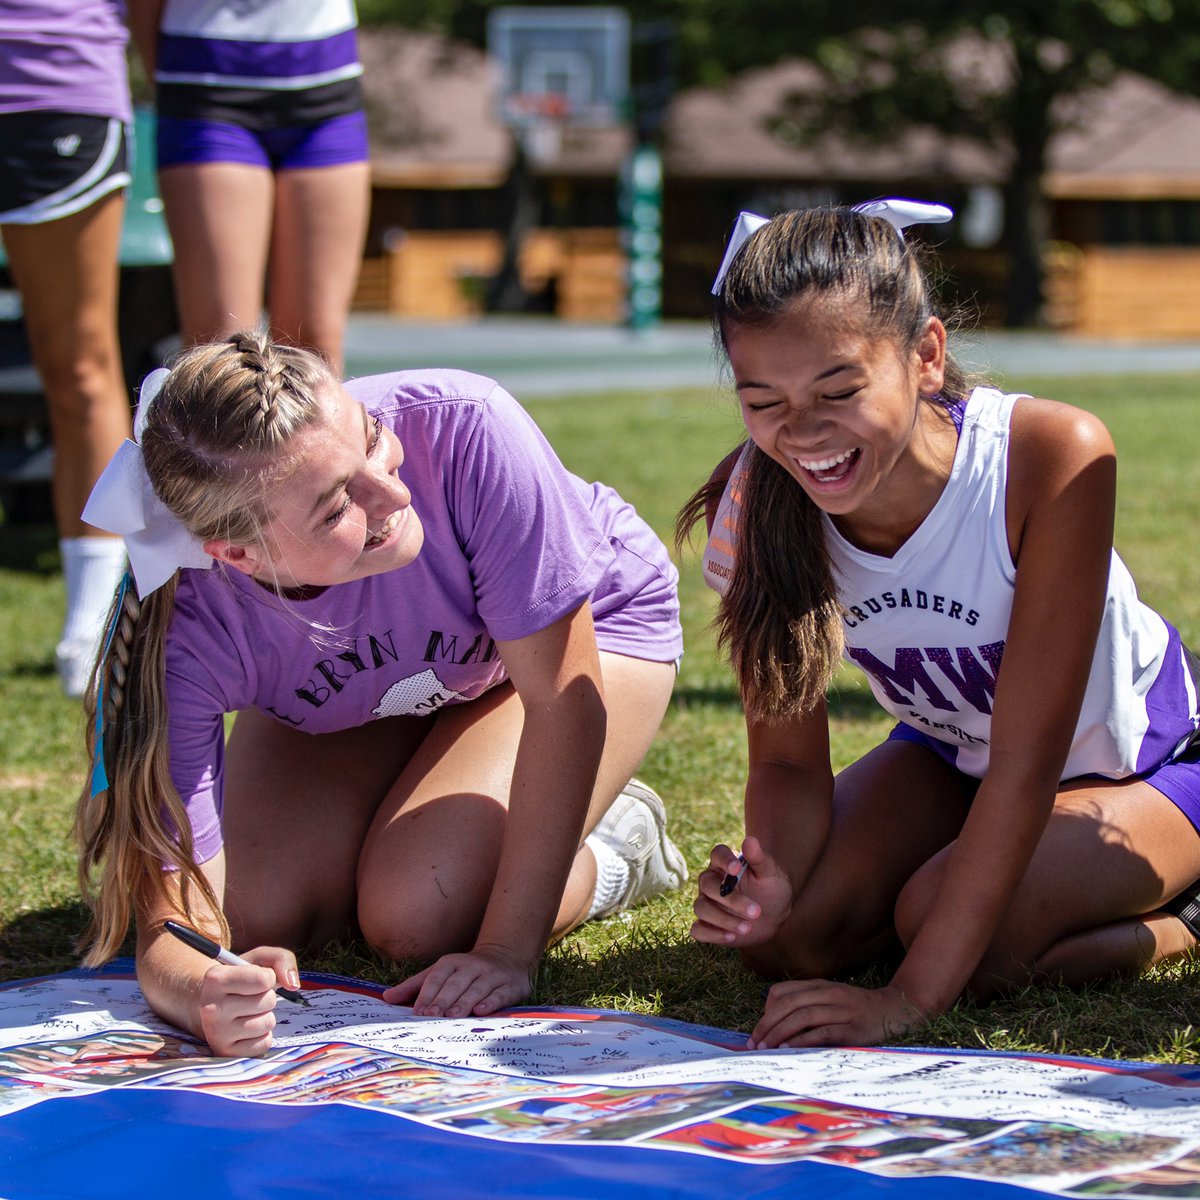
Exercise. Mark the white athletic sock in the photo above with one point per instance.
(612, 876)
(93, 567)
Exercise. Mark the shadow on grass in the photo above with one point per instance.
(643, 973)
(846, 703)
(717, 697)
(1152, 1018)
(32, 668)
(29, 548)
(853, 704)
(42, 942)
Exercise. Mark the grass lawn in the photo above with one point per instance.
(655, 448)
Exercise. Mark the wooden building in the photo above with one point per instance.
(1123, 249)
(443, 192)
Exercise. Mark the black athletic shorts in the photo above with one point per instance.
(53, 164)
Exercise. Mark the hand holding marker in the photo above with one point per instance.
(207, 946)
(734, 877)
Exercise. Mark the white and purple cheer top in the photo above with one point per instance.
(261, 64)
(928, 625)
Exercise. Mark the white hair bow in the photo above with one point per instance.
(898, 213)
(124, 502)
(747, 223)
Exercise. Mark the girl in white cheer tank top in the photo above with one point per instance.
(1034, 813)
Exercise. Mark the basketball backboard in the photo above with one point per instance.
(561, 63)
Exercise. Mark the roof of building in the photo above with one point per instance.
(1134, 140)
(433, 120)
(428, 103)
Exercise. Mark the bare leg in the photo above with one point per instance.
(219, 215)
(413, 806)
(66, 271)
(892, 809)
(316, 253)
(1112, 853)
(428, 864)
(297, 808)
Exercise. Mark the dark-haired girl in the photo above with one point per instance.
(1034, 812)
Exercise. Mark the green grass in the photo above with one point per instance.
(655, 448)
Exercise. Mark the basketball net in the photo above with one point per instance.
(539, 119)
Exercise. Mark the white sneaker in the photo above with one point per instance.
(636, 828)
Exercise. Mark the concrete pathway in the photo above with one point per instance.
(539, 356)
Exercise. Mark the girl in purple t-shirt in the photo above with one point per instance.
(448, 656)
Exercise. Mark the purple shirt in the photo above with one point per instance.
(64, 55)
(513, 542)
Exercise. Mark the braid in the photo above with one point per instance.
(115, 668)
(260, 356)
(138, 824)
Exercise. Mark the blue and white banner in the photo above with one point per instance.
(100, 1098)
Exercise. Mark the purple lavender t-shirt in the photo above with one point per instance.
(513, 542)
(64, 55)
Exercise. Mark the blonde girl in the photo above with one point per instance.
(1036, 807)
(448, 656)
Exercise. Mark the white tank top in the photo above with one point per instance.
(928, 625)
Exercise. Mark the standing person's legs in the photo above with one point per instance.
(67, 273)
(316, 253)
(219, 215)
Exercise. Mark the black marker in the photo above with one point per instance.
(207, 946)
(734, 877)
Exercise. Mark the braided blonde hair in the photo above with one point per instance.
(216, 437)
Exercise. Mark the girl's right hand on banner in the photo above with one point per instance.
(237, 1003)
(753, 908)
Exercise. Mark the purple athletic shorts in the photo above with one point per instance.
(331, 143)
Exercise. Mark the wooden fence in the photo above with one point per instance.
(1124, 291)
(444, 275)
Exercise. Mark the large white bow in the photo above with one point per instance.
(898, 213)
(124, 502)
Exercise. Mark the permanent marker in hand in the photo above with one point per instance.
(198, 941)
(734, 877)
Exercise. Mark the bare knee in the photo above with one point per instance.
(1005, 964)
(419, 920)
(786, 960)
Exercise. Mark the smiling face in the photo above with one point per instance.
(841, 411)
(341, 512)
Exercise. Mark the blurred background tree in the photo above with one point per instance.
(1008, 74)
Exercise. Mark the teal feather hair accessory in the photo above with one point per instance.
(99, 771)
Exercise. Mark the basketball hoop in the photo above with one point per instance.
(537, 106)
(538, 118)
(559, 65)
